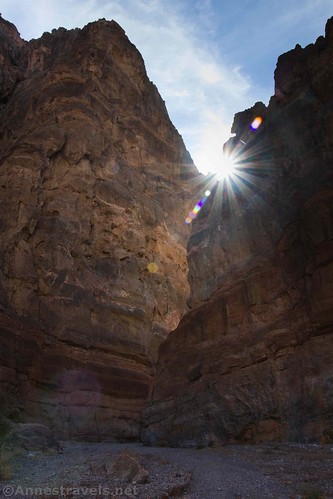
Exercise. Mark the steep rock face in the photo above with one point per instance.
(94, 191)
(11, 67)
(252, 360)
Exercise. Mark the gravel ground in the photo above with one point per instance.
(258, 471)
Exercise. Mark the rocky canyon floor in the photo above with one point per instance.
(273, 470)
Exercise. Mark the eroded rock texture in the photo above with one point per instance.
(11, 67)
(252, 361)
(94, 188)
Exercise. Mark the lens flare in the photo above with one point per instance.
(192, 215)
(242, 178)
(152, 267)
(256, 123)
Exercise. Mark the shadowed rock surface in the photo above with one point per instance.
(252, 360)
(94, 188)
(12, 66)
(95, 184)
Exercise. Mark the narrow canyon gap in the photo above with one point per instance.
(97, 265)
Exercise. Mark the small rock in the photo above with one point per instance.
(97, 468)
(127, 469)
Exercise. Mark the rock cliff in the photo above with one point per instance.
(94, 188)
(252, 360)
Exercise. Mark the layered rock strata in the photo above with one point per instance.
(252, 360)
(94, 184)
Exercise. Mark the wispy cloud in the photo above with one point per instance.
(204, 58)
(198, 88)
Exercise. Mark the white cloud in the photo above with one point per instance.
(203, 83)
(209, 139)
(198, 88)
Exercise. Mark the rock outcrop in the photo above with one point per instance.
(252, 360)
(94, 189)
(11, 67)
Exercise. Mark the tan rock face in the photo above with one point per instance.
(94, 191)
(252, 360)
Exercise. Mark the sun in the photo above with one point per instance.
(226, 169)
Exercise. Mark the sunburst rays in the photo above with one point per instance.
(242, 179)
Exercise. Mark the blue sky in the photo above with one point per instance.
(208, 58)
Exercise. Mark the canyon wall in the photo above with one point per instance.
(95, 183)
(252, 360)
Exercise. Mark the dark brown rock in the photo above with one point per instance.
(12, 63)
(252, 360)
(127, 469)
(94, 183)
(30, 437)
